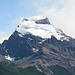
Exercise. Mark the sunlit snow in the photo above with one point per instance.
(35, 50)
(41, 30)
(9, 58)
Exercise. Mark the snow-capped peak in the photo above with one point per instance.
(35, 18)
(40, 26)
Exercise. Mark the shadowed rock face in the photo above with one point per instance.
(20, 47)
(43, 21)
(2, 51)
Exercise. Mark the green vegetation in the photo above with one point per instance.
(8, 70)
(30, 71)
(58, 70)
(12, 65)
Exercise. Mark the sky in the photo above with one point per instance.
(61, 14)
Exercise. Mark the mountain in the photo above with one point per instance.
(36, 42)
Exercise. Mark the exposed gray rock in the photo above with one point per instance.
(43, 21)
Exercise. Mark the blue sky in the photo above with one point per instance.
(10, 10)
(59, 12)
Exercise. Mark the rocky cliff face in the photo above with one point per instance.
(36, 42)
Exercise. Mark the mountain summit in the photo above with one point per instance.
(41, 27)
(38, 19)
(36, 42)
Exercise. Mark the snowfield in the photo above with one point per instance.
(29, 26)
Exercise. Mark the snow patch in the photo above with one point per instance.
(20, 35)
(9, 58)
(43, 40)
(30, 38)
(35, 50)
(40, 42)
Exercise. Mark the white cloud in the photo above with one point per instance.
(61, 15)
(3, 36)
